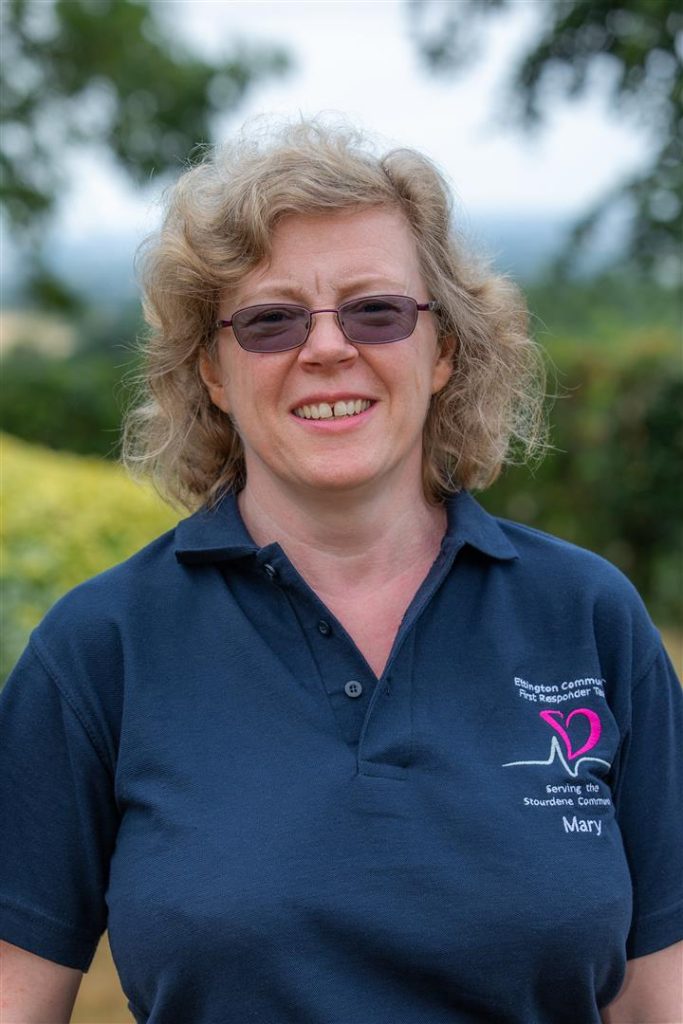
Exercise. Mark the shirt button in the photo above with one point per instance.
(270, 570)
(353, 688)
(324, 627)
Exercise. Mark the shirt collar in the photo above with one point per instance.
(469, 523)
(218, 534)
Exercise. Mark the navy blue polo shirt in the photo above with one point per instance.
(196, 756)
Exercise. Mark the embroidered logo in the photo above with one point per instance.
(570, 757)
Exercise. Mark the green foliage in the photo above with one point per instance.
(607, 313)
(75, 402)
(71, 403)
(102, 74)
(611, 483)
(633, 48)
(65, 518)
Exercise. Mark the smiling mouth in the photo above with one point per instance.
(338, 410)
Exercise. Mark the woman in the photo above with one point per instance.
(342, 747)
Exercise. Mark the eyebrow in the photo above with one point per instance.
(290, 290)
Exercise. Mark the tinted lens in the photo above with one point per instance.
(378, 319)
(271, 328)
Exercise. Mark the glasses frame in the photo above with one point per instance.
(420, 307)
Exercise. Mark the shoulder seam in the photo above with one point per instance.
(36, 645)
(648, 666)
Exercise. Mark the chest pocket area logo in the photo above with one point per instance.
(573, 735)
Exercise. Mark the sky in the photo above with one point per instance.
(514, 192)
(358, 59)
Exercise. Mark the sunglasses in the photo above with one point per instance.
(371, 320)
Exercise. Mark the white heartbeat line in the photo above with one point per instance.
(556, 752)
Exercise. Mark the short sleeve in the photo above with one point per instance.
(59, 820)
(649, 806)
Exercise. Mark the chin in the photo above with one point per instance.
(338, 481)
(338, 484)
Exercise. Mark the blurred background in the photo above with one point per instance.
(557, 123)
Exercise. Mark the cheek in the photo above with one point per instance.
(253, 395)
(236, 378)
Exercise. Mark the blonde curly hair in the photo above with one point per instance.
(218, 225)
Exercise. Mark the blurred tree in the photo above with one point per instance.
(631, 48)
(107, 74)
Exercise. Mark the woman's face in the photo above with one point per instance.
(321, 261)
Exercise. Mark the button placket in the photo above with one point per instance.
(341, 667)
(337, 660)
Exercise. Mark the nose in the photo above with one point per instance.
(326, 343)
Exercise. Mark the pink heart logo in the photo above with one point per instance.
(553, 718)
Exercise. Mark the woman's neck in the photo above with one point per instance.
(341, 542)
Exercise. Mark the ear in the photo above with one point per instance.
(445, 360)
(211, 374)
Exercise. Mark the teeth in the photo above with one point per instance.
(325, 411)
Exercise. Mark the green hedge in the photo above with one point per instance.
(64, 518)
(74, 403)
(612, 481)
